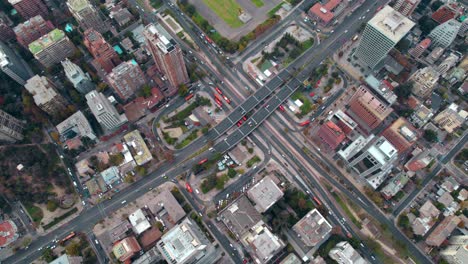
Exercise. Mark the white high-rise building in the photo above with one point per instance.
(374, 161)
(80, 80)
(104, 111)
(380, 35)
(444, 34)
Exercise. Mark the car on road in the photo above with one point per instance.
(281, 108)
(244, 118)
(124, 201)
(96, 241)
(188, 187)
(226, 99)
(346, 31)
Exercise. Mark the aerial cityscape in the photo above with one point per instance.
(233, 131)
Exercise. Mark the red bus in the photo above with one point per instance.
(305, 123)
(202, 161)
(190, 96)
(208, 39)
(317, 200)
(378, 9)
(189, 189)
(218, 90)
(220, 104)
(70, 236)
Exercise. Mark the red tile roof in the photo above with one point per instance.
(324, 12)
(331, 134)
(443, 14)
(7, 233)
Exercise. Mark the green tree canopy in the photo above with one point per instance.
(430, 135)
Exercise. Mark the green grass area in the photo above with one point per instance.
(35, 213)
(227, 10)
(156, 3)
(346, 209)
(306, 107)
(274, 9)
(191, 137)
(60, 218)
(257, 3)
(253, 160)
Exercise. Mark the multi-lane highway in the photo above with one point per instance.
(309, 60)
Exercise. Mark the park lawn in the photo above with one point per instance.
(35, 213)
(257, 3)
(227, 10)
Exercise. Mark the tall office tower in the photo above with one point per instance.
(167, 55)
(420, 48)
(13, 65)
(367, 109)
(32, 29)
(45, 95)
(80, 80)
(443, 35)
(406, 7)
(30, 8)
(6, 32)
(104, 112)
(11, 129)
(102, 52)
(381, 34)
(52, 48)
(375, 160)
(86, 15)
(126, 79)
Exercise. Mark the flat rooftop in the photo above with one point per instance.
(265, 194)
(391, 23)
(77, 5)
(312, 228)
(240, 216)
(141, 152)
(46, 40)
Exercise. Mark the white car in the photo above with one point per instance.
(346, 31)
(124, 201)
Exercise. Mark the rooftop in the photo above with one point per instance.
(41, 89)
(263, 242)
(141, 153)
(182, 242)
(77, 5)
(312, 228)
(391, 23)
(46, 41)
(382, 151)
(324, 12)
(139, 221)
(7, 233)
(264, 194)
(126, 248)
(166, 203)
(240, 216)
(110, 175)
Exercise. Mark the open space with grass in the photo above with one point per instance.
(227, 10)
(257, 3)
